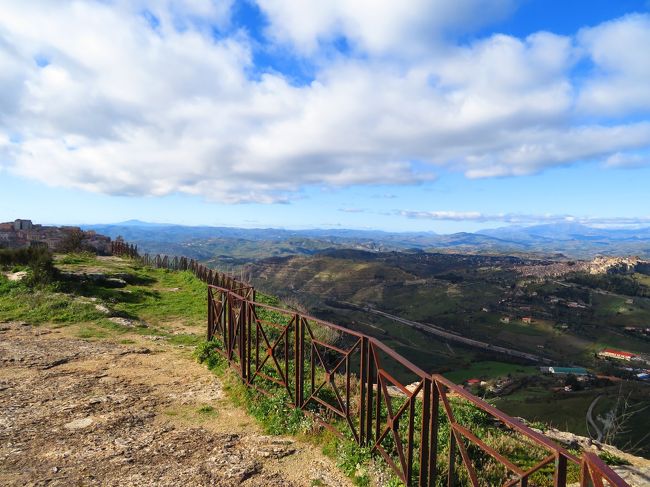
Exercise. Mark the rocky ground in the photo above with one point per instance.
(78, 412)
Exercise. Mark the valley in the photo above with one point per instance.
(492, 322)
(456, 310)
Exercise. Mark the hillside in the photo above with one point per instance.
(103, 351)
(576, 309)
(98, 385)
(232, 246)
(470, 294)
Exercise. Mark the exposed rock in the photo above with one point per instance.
(616, 265)
(128, 322)
(16, 276)
(78, 424)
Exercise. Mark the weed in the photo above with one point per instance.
(611, 459)
(38, 260)
(353, 460)
(207, 411)
(206, 353)
(185, 339)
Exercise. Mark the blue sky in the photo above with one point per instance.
(280, 113)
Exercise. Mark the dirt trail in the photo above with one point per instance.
(75, 412)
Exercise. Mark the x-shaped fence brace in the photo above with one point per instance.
(231, 318)
(253, 350)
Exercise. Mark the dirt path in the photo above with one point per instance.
(75, 412)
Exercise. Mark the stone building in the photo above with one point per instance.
(23, 233)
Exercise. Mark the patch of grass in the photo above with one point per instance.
(127, 289)
(185, 339)
(175, 296)
(20, 303)
(354, 461)
(207, 410)
(92, 333)
(205, 353)
(611, 459)
(77, 258)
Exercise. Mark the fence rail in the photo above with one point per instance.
(347, 381)
(358, 387)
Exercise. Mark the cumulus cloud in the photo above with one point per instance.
(377, 26)
(521, 219)
(628, 159)
(143, 98)
(620, 83)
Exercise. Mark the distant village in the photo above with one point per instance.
(568, 379)
(24, 233)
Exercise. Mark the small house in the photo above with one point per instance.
(617, 354)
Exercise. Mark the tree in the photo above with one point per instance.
(572, 381)
(73, 242)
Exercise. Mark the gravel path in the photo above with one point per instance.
(75, 412)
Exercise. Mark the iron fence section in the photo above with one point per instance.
(348, 384)
(346, 381)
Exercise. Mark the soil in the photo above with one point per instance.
(79, 412)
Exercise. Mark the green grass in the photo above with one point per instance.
(566, 411)
(20, 303)
(208, 411)
(90, 332)
(173, 296)
(162, 299)
(185, 339)
(76, 259)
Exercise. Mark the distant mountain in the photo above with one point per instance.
(478, 241)
(242, 244)
(565, 231)
(140, 223)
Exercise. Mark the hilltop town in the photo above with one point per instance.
(24, 233)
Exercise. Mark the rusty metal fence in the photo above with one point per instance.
(361, 389)
(123, 249)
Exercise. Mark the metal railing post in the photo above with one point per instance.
(299, 357)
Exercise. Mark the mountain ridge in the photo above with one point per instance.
(558, 240)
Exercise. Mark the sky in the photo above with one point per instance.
(372, 114)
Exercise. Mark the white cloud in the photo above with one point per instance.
(95, 95)
(377, 26)
(628, 159)
(522, 219)
(619, 51)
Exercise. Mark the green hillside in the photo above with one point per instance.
(470, 295)
(109, 297)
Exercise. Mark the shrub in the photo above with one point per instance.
(73, 242)
(38, 259)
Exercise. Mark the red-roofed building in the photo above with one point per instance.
(617, 354)
(473, 382)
